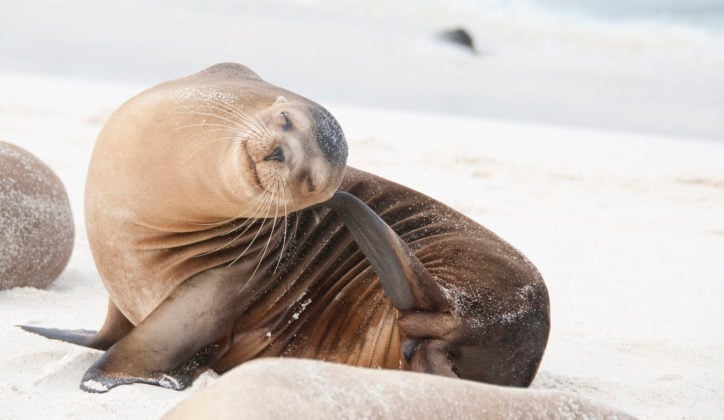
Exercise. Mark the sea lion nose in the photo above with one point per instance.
(330, 137)
(276, 154)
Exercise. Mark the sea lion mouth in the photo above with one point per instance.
(252, 168)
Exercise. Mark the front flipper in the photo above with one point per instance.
(186, 333)
(101, 377)
(115, 327)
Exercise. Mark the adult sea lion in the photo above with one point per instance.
(226, 227)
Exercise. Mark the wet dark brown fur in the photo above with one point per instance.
(492, 321)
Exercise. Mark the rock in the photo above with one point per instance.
(36, 223)
(310, 389)
(460, 37)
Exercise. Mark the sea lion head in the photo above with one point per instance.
(218, 145)
(297, 153)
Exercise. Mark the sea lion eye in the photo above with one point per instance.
(276, 154)
(287, 122)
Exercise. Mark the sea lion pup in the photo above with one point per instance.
(219, 212)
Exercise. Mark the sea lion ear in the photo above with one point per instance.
(280, 100)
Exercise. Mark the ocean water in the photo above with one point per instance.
(705, 14)
(646, 65)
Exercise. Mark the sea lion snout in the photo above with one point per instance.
(330, 136)
(304, 151)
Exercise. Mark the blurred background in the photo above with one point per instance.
(650, 66)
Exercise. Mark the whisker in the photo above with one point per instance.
(212, 115)
(245, 225)
(212, 127)
(286, 223)
(243, 117)
(237, 112)
(223, 222)
(235, 135)
(209, 143)
(271, 235)
(259, 123)
(255, 236)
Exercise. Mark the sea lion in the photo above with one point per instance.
(226, 227)
(36, 222)
(311, 389)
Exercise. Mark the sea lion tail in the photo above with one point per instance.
(405, 280)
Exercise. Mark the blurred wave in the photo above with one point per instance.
(706, 14)
(645, 65)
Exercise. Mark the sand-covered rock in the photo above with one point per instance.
(296, 388)
(36, 224)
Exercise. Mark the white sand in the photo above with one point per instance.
(627, 229)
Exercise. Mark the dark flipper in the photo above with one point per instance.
(431, 356)
(186, 333)
(440, 337)
(426, 315)
(81, 337)
(404, 278)
(115, 327)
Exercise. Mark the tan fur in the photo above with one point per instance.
(174, 161)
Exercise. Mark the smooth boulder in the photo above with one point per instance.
(309, 389)
(36, 223)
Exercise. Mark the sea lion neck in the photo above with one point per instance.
(231, 239)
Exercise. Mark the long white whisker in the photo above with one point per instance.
(240, 115)
(212, 115)
(255, 236)
(226, 221)
(286, 223)
(260, 129)
(246, 225)
(268, 241)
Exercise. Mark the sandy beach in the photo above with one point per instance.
(619, 203)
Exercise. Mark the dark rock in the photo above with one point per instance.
(460, 37)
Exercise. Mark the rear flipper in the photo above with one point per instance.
(405, 280)
(438, 335)
(185, 334)
(114, 328)
(412, 289)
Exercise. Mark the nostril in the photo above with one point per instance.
(276, 154)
